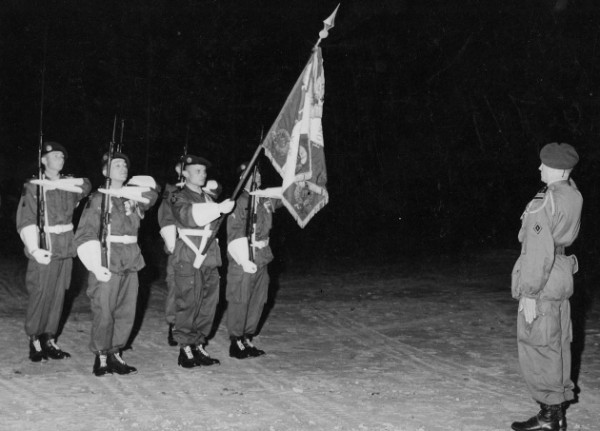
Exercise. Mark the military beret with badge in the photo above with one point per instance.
(559, 156)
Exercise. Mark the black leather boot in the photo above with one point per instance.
(237, 349)
(562, 416)
(100, 366)
(546, 420)
(202, 356)
(117, 365)
(253, 351)
(186, 357)
(36, 353)
(51, 349)
(170, 338)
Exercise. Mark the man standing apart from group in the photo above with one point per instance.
(113, 288)
(542, 281)
(196, 274)
(248, 230)
(49, 270)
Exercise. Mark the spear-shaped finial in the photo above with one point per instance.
(327, 24)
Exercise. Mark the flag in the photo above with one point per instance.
(295, 146)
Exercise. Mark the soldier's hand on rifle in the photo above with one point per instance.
(102, 274)
(528, 307)
(226, 206)
(41, 256)
(249, 267)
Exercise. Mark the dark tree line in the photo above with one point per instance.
(435, 111)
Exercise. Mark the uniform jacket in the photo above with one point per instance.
(550, 223)
(181, 207)
(125, 218)
(59, 209)
(236, 224)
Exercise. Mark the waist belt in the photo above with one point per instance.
(260, 244)
(122, 239)
(59, 228)
(205, 233)
(195, 232)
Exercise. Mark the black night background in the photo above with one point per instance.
(435, 113)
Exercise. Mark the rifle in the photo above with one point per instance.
(105, 208)
(120, 145)
(180, 180)
(251, 215)
(41, 202)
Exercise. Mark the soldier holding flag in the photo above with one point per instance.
(168, 232)
(48, 270)
(196, 274)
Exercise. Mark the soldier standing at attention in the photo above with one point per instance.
(48, 270)
(542, 281)
(113, 288)
(196, 274)
(248, 230)
(168, 232)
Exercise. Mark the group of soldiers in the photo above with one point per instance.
(542, 279)
(106, 242)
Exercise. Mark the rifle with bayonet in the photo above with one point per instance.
(105, 208)
(41, 202)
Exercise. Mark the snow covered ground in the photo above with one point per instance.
(420, 345)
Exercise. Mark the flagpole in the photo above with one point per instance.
(327, 25)
(235, 194)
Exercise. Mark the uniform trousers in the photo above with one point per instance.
(46, 285)
(196, 299)
(170, 301)
(113, 305)
(545, 352)
(246, 296)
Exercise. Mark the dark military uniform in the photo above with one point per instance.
(46, 284)
(196, 275)
(550, 223)
(247, 292)
(114, 302)
(542, 280)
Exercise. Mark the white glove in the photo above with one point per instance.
(249, 267)
(30, 235)
(271, 192)
(142, 181)
(66, 184)
(528, 307)
(238, 249)
(133, 193)
(212, 188)
(102, 274)
(226, 206)
(41, 256)
(169, 236)
(90, 255)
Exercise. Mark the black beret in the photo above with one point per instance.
(116, 156)
(48, 147)
(195, 160)
(559, 156)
